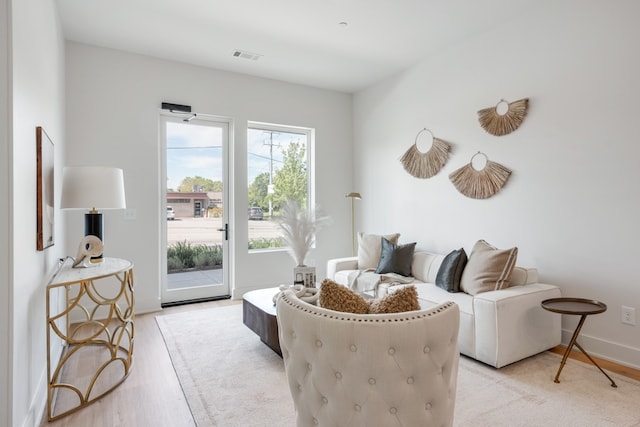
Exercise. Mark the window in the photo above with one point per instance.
(278, 171)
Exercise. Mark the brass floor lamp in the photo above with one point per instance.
(353, 196)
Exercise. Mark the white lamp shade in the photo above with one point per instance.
(92, 187)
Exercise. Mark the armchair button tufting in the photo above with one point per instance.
(410, 380)
(353, 347)
(318, 343)
(325, 400)
(357, 408)
(393, 411)
(315, 422)
(392, 351)
(427, 349)
(427, 406)
(309, 366)
(338, 375)
(372, 381)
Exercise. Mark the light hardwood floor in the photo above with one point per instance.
(152, 395)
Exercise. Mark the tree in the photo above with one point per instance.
(198, 183)
(258, 195)
(290, 181)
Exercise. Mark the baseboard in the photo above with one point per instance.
(606, 350)
(37, 407)
(604, 364)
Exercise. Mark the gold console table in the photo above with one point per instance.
(96, 330)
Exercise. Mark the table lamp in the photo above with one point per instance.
(353, 196)
(93, 188)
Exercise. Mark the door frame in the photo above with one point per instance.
(196, 294)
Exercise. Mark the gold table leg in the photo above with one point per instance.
(568, 351)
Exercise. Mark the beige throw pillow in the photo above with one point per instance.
(488, 268)
(370, 247)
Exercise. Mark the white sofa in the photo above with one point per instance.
(497, 327)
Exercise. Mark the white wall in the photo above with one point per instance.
(37, 73)
(113, 110)
(5, 248)
(571, 204)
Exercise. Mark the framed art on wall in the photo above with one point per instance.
(45, 205)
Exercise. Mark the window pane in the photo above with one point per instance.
(277, 172)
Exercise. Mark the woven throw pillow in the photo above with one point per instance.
(339, 298)
(369, 248)
(488, 268)
(450, 271)
(396, 258)
(405, 299)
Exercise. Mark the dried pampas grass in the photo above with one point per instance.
(503, 124)
(299, 227)
(480, 184)
(425, 165)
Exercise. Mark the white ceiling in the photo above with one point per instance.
(301, 41)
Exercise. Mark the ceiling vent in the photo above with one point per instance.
(246, 55)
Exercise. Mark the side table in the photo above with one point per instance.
(580, 307)
(96, 331)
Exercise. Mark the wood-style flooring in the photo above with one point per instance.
(152, 395)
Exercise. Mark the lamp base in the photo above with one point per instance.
(93, 226)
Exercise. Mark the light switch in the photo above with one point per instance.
(130, 214)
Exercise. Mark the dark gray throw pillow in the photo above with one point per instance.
(396, 258)
(450, 272)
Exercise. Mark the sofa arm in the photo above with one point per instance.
(510, 324)
(337, 264)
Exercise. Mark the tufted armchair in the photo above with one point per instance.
(369, 369)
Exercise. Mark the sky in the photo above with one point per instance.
(196, 150)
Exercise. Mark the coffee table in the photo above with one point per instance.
(580, 307)
(259, 315)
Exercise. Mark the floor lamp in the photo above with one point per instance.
(353, 196)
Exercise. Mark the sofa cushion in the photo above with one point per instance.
(395, 258)
(451, 269)
(426, 265)
(488, 268)
(370, 247)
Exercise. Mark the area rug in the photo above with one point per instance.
(230, 378)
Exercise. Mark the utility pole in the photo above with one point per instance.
(270, 186)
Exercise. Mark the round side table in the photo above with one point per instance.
(579, 307)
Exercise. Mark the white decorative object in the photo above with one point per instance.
(299, 227)
(90, 246)
(310, 295)
(304, 275)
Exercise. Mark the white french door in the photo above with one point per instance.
(194, 183)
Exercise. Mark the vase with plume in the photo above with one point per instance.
(299, 227)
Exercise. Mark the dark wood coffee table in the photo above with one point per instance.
(580, 307)
(259, 314)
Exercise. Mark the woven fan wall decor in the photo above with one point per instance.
(480, 184)
(502, 124)
(425, 165)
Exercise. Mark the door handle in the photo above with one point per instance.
(226, 231)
